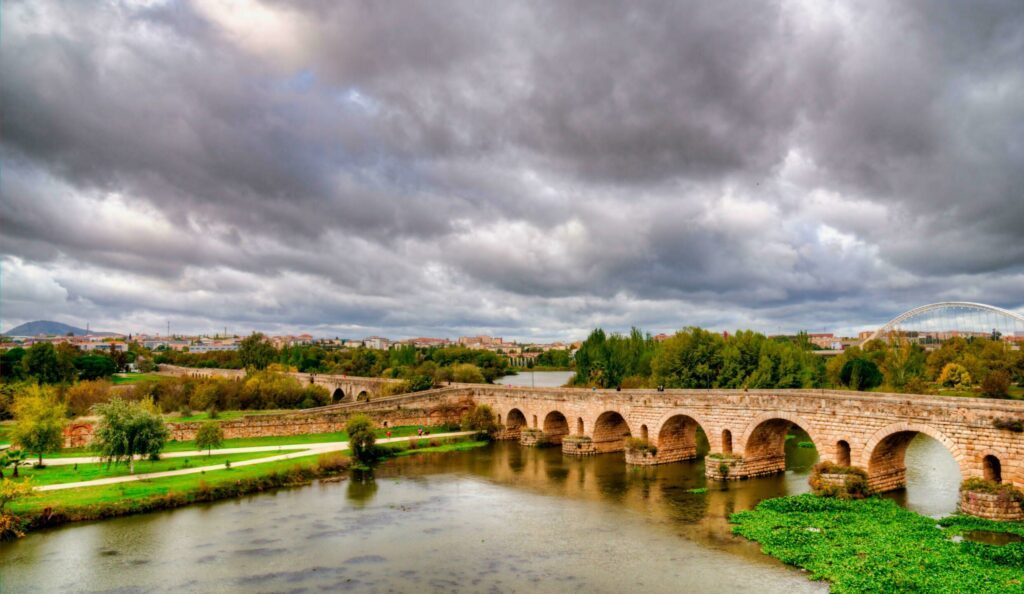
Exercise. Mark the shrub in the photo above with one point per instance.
(955, 375)
(855, 485)
(482, 420)
(1008, 424)
(81, 397)
(809, 445)
(996, 384)
(361, 438)
(642, 445)
(332, 462)
(394, 388)
(467, 373)
(1003, 490)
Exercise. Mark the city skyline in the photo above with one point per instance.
(423, 170)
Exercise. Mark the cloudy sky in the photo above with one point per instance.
(527, 169)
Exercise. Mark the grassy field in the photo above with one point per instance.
(874, 545)
(134, 378)
(106, 500)
(52, 475)
(245, 442)
(4, 431)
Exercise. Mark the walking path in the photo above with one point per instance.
(305, 450)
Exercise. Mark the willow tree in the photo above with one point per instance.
(127, 430)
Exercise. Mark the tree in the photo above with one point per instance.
(92, 367)
(11, 457)
(996, 384)
(40, 363)
(209, 436)
(81, 397)
(39, 421)
(690, 359)
(127, 430)
(482, 420)
(361, 438)
(955, 375)
(146, 365)
(11, 364)
(860, 374)
(467, 373)
(256, 351)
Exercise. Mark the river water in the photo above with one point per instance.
(498, 519)
(537, 379)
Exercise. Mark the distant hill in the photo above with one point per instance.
(49, 328)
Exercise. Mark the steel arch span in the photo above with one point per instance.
(945, 305)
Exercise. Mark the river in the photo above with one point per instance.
(537, 379)
(502, 518)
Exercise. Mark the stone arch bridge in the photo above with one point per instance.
(748, 428)
(343, 388)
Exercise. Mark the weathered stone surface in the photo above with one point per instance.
(991, 506)
(869, 430)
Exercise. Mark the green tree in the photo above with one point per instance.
(127, 430)
(482, 420)
(361, 438)
(860, 374)
(11, 457)
(92, 367)
(255, 351)
(39, 421)
(467, 373)
(40, 363)
(11, 368)
(955, 375)
(209, 436)
(690, 359)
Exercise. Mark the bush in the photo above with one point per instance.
(361, 438)
(467, 373)
(855, 487)
(81, 397)
(332, 462)
(1003, 490)
(642, 445)
(996, 384)
(482, 420)
(1008, 424)
(955, 375)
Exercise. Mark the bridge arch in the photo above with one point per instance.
(764, 441)
(610, 432)
(677, 435)
(556, 426)
(516, 420)
(885, 451)
(339, 395)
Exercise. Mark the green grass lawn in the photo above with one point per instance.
(874, 545)
(133, 378)
(4, 433)
(129, 493)
(244, 442)
(86, 472)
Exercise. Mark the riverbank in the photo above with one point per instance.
(874, 545)
(54, 508)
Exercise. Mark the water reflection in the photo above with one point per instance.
(497, 518)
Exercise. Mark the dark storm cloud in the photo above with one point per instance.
(530, 168)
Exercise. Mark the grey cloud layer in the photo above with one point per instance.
(526, 168)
